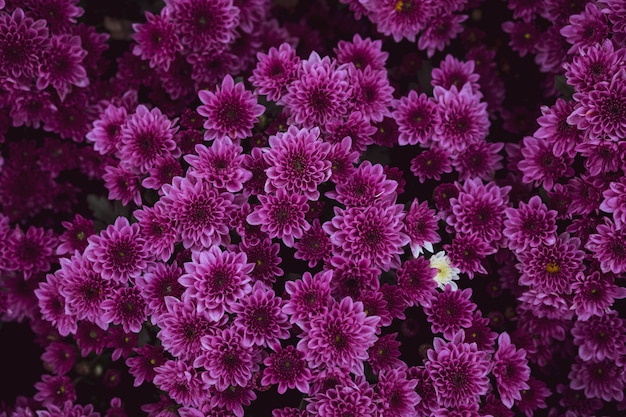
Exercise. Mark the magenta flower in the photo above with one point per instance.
(52, 304)
(479, 209)
(562, 136)
(586, 29)
(609, 247)
(314, 246)
(480, 333)
(22, 42)
(371, 93)
(374, 233)
(399, 20)
(199, 212)
(416, 279)
(350, 277)
(157, 282)
(591, 66)
(524, 36)
(287, 368)
(281, 215)
(297, 162)
(217, 280)
(530, 225)
(425, 389)
(157, 229)
(126, 307)
(59, 357)
(458, 370)
(74, 238)
(55, 390)
(615, 202)
(415, 115)
(340, 336)
(320, 94)
(461, 117)
(203, 24)
(480, 159)
(366, 186)
(600, 337)
(594, 294)
(440, 30)
(451, 72)
(466, 253)
(60, 15)
(220, 165)
(362, 53)
(450, 311)
(308, 296)
(356, 126)
(384, 355)
(230, 111)
(275, 71)
(119, 252)
(599, 379)
(61, 65)
(421, 227)
(228, 360)
(431, 164)
(181, 382)
(511, 370)
(231, 400)
(147, 137)
(107, 130)
(157, 40)
(31, 252)
(122, 184)
(334, 401)
(142, 367)
(264, 256)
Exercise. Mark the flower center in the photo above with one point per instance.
(552, 268)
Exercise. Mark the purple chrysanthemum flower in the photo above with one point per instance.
(356, 126)
(480, 333)
(157, 229)
(450, 311)
(199, 212)
(308, 296)
(420, 224)
(479, 160)
(121, 342)
(122, 184)
(600, 337)
(126, 307)
(609, 247)
(543, 304)
(59, 357)
(157, 282)
(540, 165)
(615, 202)
(399, 19)
(511, 370)
(524, 36)
(142, 367)
(366, 186)
(602, 111)
(264, 256)
(350, 277)
(297, 162)
(374, 233)
(55, 390)
(552, 267)
(562, 136)
(217, 280)
(530, 225)
(162, 172)
(275, 71)
(74, 238)
(61, 65)
(181, 382)
(84, 289)
(362, 53)
(451, 72)
(333, 402)
(479, 209)
(431, 164)
(342, 159)
(156, 40)
(220, 164)
(260, 317)
(588, 28)
(416, 279)
(415, 115)
(227, 359)
(340, 336)
(60, 15)
(592, 66)
(594, 294)
(230, 111)
(107, 130)
(425, 389)
(22, 42)
(281, 215)
(314, 246)
(31, 252)
(204, 24)
(461, 117)
(146, 137)
(182, 328)
(119, 252)
(440, 30)
(599, 379)
(52, 304)
(320, 94)
(287, 368)
(466, 252)
(231, 400)
(458, 370)
(371, 93)
(384, 355)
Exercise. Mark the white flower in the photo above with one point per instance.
(447, 273)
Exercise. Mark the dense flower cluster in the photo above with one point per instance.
(240, 211)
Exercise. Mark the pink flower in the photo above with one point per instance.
(511, 370)
(62, 66)
(22, 42)
(415, 116)
(157, 40)
(287, 368)
(275, 71)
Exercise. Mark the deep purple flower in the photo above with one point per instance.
(122, 184)
(59, 357)
(297, 162)
(609, 247)
(217, 280)
(60, 15)
(340, 336)
(22, 42)
(275, 71)
(320, 94)
(440, 30)
(615, 202)
(157, 40)
(334, 402)
(230, 111)
(591, 66)
(158, 281)
(420, 224)
(480, 333)
(31, 252)
(90, 338)
(587, 28)
(356, 126)
(415, 116)
(182, 382)
(75, 235)
(227, 359)
(479, 159)
(371, 93)
(458, 370)
(204, 24)
(314, 246)
(308, 296)
(425, 389)
(399, 19)
(461, 117)
(600, 337)
(264, 256)
(55, 390)
(61, 65)
(362, 53)
(367, 185)
(146, 137)
(119, 252)
(107, 130)
(126, 307)
(157, 229)
(466, 252)
(121, 342)
(350, 277)
(450, 311)
(142, 366)
(384, 355)
(416, 279)
(199, 212)
(287, 368)
(374, 233)
(431, 164)
(602, 379)
(562, 136)
(510, 369)
(451, 72)
(281, 215)
(530, 225)
(524, 36)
